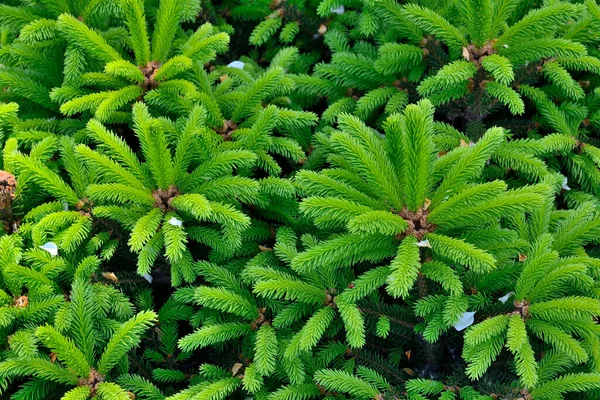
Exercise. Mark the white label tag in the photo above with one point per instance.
(175, 222)
(465, 320)
(507, 296)
(339, 10)
(51, 248)
(236, 64)
(147, 277)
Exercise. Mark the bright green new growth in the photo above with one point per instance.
(299, 200)
(491, 51)
(393, 199)
(155, 68)
(86, 356)
(553, 299)
(164, 198)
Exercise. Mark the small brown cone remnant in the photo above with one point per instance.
(522, 257)
(418, 226)
(95, 378)
(277, 13)
(579, 145)
(92, 381)
(476, 54)
(454, 389)
(131, 395)
(53, 357)
(84, 206)
(275, 3)
(322, 29)
(110, 276)
(330, 300)
(525, 395)
(8, 186)
(227, 129)
(149, 72)
(21, 302)
(408, 354)
(522, 308)
(163, 198)
(260, 320)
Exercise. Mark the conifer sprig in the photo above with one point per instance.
(156, 64)
(293, 200)
(393, 199)
(176, 186)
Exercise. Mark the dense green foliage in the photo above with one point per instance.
(299, 199)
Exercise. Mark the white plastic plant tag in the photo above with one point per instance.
(147, 277)
(507, 296)
(564, 184)
(465, 320)
(51, 248)
(339, 10)
(423, 243)
(505, 46)
(236, 64)
(175, 222)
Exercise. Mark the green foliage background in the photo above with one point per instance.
(299, 199)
